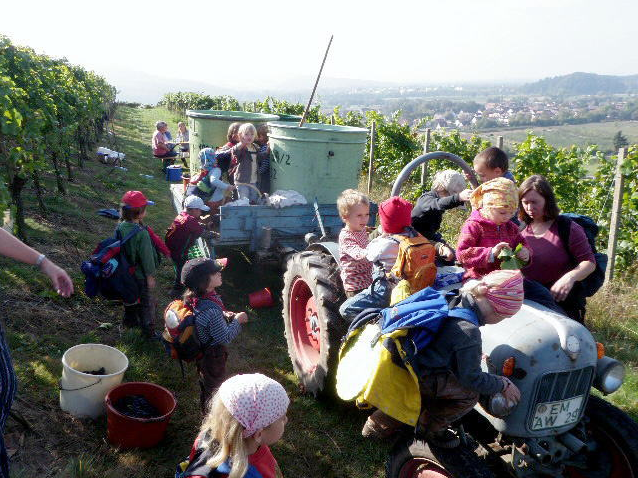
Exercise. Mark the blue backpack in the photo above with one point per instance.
(423, 314)
(108, 272)
(596, 279)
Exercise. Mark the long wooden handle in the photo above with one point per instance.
(305, 113)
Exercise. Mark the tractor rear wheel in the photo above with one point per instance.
(311, 297)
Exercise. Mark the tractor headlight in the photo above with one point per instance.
(610, 374)
(499, 406)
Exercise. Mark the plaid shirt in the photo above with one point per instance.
(356, 270)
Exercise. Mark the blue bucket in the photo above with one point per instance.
(174, 173)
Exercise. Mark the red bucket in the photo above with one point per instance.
(261, 298)
(130, 432)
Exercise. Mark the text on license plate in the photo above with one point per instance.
(557, 414)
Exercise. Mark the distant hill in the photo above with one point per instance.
(583, 84)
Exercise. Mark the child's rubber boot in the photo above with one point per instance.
(131, 316)
(445, 438)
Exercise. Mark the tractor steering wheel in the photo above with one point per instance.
(423, 159)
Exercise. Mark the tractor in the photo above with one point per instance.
(558, 429)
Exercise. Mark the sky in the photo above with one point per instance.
(245, 44)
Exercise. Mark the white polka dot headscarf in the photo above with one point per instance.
(255, 400)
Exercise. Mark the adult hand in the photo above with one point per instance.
(510, 391)
(523, 254)
(150, 282)
(447, 253)
(562, 287)
(62, 283)
(241, 317)
(465, 194)
(496, 250)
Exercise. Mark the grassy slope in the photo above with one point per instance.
(600, 134)
(321, 439)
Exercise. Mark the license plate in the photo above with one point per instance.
(557, 414)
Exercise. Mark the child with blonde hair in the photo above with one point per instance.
(356, 270)
(489, 229)
(248, 159)
(247, 415)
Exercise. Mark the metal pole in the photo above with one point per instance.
(426, 150)
(305, 113)
(373, 132)
(619, 185)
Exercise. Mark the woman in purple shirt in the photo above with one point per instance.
(554, 275)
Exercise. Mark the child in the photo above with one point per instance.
(356, 270)
(232, 136)
(208, 184)
(247, 415)
(492, 163)
(382, 252)
(182, 234)
(489, 230)
(448, 191)
(451, 379)
(182, 136)
(215, 327)
(248, 159)
(264, 166)
(141, 254)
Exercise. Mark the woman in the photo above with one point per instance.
(12, 247)
(161, 146)
(554, 274)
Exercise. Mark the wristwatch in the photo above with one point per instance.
(39, 260)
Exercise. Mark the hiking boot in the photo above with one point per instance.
(381, 426)
(445, 438)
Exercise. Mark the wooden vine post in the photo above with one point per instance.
(619, 186)
(373, 133)
(426, 149)
(499, 142)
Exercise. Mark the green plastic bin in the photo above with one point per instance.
(289, 118)
(316, 160)
(208, 129)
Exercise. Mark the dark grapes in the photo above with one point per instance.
(136, 406)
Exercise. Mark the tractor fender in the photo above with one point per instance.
(329, 247)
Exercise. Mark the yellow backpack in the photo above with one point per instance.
(415, 262)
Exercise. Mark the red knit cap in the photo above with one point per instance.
(395, 214)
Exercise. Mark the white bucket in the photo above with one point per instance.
(82, 394)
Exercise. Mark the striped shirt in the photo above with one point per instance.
(212, 327)
(356, 270)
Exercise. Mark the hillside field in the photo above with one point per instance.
(600, 134)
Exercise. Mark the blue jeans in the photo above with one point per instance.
(540, 294)
(252, 194)
(8, 383)
(376, 296)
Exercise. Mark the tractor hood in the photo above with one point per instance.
(554, 361)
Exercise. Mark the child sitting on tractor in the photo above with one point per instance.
(208, 184)
(356, 270)
(489, 229)
(450, 376)
(448, 192)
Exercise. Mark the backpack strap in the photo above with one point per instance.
(564, 225)
(130, 235)
(464, 314)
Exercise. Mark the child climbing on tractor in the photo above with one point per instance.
(448, 368)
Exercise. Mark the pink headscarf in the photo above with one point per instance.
(504, 291)
(255, 400)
